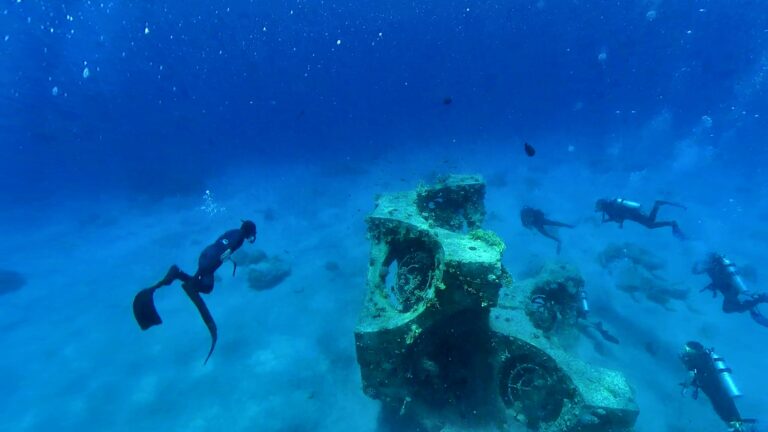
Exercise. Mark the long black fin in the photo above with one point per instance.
(758, 317)
(144, 309)
(205, 314)
(672, 204)
(598, 325)
(144, 302)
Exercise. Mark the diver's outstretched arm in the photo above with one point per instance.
(194, 295)
(699, 267)
(694, 383)
(710, 287)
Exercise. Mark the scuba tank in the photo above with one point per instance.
(733, 274)
(724, 374)
(584, 309)
(628, 204)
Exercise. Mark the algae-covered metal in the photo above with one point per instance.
(438, 347)
(540, 383)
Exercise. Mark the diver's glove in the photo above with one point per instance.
(684, 390)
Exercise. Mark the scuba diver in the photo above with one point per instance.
(534, 219)
(726, 280)
(211, 258)
(618, 210)
(710, 374)
(549, 306)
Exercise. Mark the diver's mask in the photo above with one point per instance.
(248, 228)
(690, 352)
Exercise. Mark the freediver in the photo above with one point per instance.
(533, 218)
(211, 258)
(710, 374)
(726, 280)
(618, 210)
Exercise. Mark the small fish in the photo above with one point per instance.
(529, 150)
(651, 349)
(332, 267)
(447, 100)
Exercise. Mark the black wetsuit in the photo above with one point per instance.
(619, 210)
(725, 280)
(698, 362)
(211, 258)
(534, 219)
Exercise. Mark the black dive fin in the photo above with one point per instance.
(144, 303)
(598, 325)
(758, 317)
(205, 314)
(144, 309)
(672, 204)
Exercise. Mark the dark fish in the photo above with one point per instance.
(447, 100)
(11, 281)
(529, 150)
(332, 267)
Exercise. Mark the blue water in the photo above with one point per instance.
(116, 117)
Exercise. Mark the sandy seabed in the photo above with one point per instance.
(75, 360)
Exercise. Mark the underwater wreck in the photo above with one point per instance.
(447, 341)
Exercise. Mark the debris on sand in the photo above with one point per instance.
(263, 271)
(638, 255)
(635, 279)
(268, 273)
